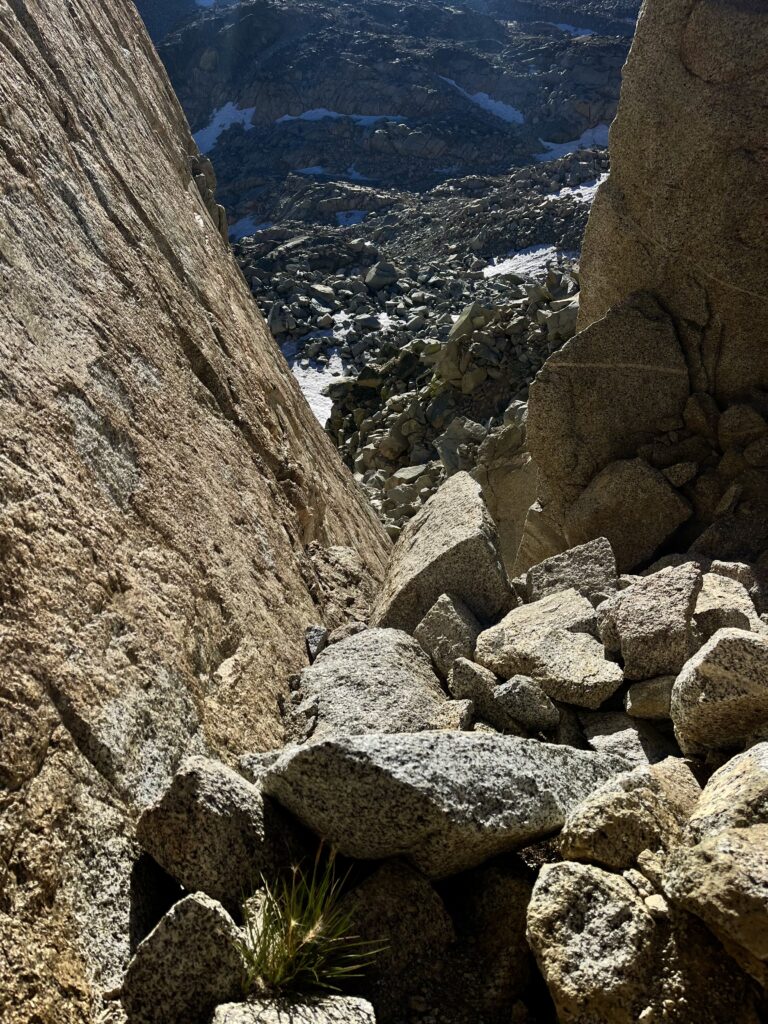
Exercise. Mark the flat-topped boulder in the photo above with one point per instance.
(449, 547)
(387, 795)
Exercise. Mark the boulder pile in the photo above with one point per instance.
(553, 792)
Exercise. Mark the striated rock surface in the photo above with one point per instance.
(171, 518)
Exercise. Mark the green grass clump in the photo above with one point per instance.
(297, 935)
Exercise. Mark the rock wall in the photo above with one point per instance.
(171, 515)
(676, 376)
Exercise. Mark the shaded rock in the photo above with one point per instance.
(397, 908)
(644, 809)
(382, 796)
(548, 641)
(186, 966)
(649, 623)
(316, 640)
(381, 275)
(724, 603)
(303, 1010)
(632, 505)
(721, 695)
(448, 631)
(651, 698)
(449, 547)
(212, 832)
(506, 705)
(736, 796)
(379, 680)
(724, 881)
(613, 732)
(590, 569)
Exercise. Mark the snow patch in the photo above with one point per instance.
(354, 175)
(572, 30)
(496, 107)
(530, 262)
(582, 193)
(222, 119)
(592, 137)
(315, 171)
(315, 377)
(247, 226)
(348, 218)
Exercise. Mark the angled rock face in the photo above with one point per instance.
(163, 486)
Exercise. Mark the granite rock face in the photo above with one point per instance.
(388, 795)
(324, 1010)
(172, 514)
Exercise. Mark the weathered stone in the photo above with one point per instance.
(649, 623)
(297, 1010)
(644, 809)
(549, 641)
(212, 832)
(589, 569)
(740, 424)
(651, 698)
(724, 603)
(506, 705)
(387, 795)
(316, 640)
(448, 631)
(736, 796)
(721, 695)
(449, 547)
(186, 966)
(379, 680)
(381, 275)
(396, 909)
(507, 474)
(613, 732)
(632, 505)
(724, 881)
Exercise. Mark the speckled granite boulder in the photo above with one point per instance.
(650, 623)
(721, 696)
(736, 796)
(214, 832)
(449, 547)
(650, 698)
(448, 631)
(589, 568)
(638, 742)
(322, 1010)
(385, 795)
(507, 705)
(379, 680)
(185, 967)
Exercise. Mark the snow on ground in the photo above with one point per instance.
(247, 226)
(496, 107)
(597, 136)
(316, 170)
(314, 377)
(530, 262)
(222, 119)
(348, 218)
(572, 30)
(354, 175)
(583, 193)
(321, 113)
(385, 322)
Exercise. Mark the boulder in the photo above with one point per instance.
(724, 881)
(449, 547)
(508, 705)
(631, 504)
(736, 795)
(724, 603)
(549, 641)
(381, 275)
(651, 698)
(638, 742)
(643, 809)
(720, 697)
(212, 832)
(448, 631)
(297, 1010)
(590, 569)
(186, 966)
(380, 796)
(378, 680)
(649, 623)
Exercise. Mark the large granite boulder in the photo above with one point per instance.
(388, 795)
(170, 504)
(736, 796)
(449, 547)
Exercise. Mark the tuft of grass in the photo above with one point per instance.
(297, 936)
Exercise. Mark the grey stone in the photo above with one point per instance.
(448, 631)
(506, 705)
(379, 680)
(186, 966)
(644, 809)
(724, 604)
(651, 698)
(736, 795)
(316, 640)
(381, 275)
(589, 569)
(613, 732)
(721, 695)
(449, 547)
(297, 1010)
(380, 796)
(649, 623)
(210, 831)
